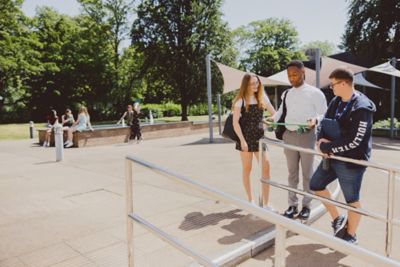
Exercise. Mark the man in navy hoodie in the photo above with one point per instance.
(345, 131)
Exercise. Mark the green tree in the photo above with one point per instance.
(373, 29)
(175, 36)
(56, 83)
(269, 45)
(131, 86)
(112, 17)
(19, 61)
(327, 48)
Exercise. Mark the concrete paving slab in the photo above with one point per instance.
(75, 209)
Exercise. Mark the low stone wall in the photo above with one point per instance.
(107, 135)
(385, 132)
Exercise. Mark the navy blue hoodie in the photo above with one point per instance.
(355, 127)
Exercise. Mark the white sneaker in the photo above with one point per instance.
(44, 144)
(48, 144)
(70, 144)
(66, 142)
(270, 208)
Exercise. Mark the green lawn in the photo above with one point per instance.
(17, 131)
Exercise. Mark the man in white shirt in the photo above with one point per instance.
(305, 104)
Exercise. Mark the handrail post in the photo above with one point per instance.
(280, 246)
(260, 165)
(390, 210)
(129, 209)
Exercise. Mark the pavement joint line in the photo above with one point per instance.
(83, 193)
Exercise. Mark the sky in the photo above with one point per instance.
(315, 20)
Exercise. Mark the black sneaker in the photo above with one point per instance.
(304, 213)
(339, 226)
(350, 238)
(291, 212)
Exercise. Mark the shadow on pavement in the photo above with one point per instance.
(307, 255)
(197, 220)
(206, 141)
(244, 228)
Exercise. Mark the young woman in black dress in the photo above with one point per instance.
(248, 107)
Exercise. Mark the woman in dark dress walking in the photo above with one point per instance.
(248, 107)
(132, 120)
(135, 127)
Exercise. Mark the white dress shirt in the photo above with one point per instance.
(302, 103)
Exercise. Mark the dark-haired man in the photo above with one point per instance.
(304, 104)
(350, 115)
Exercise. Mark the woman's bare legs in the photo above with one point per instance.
(247, 158)
(47, 137)
(70, 133)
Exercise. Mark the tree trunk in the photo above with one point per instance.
(184, 107)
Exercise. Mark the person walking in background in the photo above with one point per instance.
(129, 116)
(81, 124)
(346, 130)
(305, 104)
(52, 119)
(248, 109)
(135, 127)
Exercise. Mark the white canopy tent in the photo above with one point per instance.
(283, 77)
(330, 64)
(360, 80)
(233, 78)
(386, 68)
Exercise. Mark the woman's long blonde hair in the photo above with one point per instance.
(84, 110)
(244, 92)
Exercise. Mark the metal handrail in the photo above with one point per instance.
(365, 163)
(172, 241)
(392, 170)
(283, 224)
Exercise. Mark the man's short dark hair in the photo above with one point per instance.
(342, 74)
(295, 63)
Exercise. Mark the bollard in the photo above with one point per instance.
(58, 138)
(151, 117)
(31, 129)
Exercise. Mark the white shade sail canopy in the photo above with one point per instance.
(330, 64)
(360, 80)
(283, 77)
(233, 78)
(386, 68)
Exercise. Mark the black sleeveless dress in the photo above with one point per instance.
(135, 126)
(250, 123)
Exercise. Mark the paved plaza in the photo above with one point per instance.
(72, 213)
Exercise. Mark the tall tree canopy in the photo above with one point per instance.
(373, 29)
(268, 45)
(175, 36)
(19, 60)
(327, 48)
